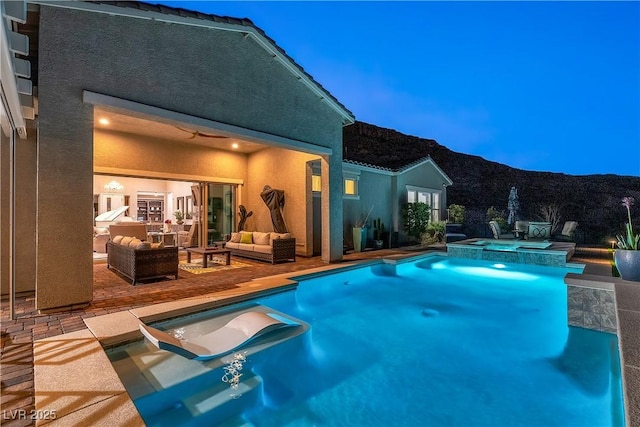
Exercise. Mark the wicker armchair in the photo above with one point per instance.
(141, 264)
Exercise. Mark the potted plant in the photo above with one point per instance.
(179, 217)
(627, 256)
(360, 232)
(379, 233)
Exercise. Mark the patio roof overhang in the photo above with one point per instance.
(163, 117)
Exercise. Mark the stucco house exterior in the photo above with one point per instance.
(129, 89)
(380, 191)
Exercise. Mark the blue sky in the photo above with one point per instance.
(541, 86)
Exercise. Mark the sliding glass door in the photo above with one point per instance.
(220, 212)
(214, 212)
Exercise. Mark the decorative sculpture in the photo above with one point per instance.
(513, 205)
(243, 217)
(274, 199)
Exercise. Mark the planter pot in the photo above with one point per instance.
(628, 264)
(359, 238)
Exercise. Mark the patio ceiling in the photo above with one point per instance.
(186, 134)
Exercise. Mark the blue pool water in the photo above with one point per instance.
(433, 342)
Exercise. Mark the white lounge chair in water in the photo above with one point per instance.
(237, 332)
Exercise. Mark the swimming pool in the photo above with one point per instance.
(430, 342)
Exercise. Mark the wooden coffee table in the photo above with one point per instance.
(207, 253)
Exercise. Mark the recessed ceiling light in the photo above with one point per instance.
(103, 121)
(234, 145)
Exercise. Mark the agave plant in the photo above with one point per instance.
(631, 241)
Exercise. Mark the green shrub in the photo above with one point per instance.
(456, 214)
(415, 217)
(498, 216)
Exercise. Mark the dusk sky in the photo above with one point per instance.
(540, 86)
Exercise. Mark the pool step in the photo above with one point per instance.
(205, 402)
(214, 405)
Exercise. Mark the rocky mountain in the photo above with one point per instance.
(592, 200)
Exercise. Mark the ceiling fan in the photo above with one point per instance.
(195, 133)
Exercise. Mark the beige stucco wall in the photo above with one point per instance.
(283, 170)
(386, 193)
(212, 74)
(426, 176)
(127, 152)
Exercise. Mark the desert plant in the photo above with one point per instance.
(437, 229)
(456, 213)
(378, 229)
(550, 214)
(364, 219)
(498, 216)
(428, 239)
(631, 241)
(415, 218)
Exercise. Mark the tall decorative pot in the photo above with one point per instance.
(628, 264)
(359, 238)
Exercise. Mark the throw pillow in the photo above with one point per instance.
(261, 238)
(157, 245)
(246, 238)
(235, 237)
(277, 236)
(117, 239)
(126, 240)
(134, 242)
(100, 230)
(143, 245)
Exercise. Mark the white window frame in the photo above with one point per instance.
(428, 196)
(351, 176)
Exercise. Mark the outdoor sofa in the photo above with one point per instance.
(269, 246)
(134, 257)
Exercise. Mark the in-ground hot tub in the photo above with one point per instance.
(516, 251)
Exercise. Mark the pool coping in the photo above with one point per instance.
(102, 399)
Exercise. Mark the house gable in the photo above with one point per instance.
(225, 41)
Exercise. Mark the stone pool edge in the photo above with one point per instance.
(627, 324)
(66, 386)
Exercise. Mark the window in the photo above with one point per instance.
(350, 187)
(350, 184)
(425, 195)
(316, 183)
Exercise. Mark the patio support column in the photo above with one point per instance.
(64, 273)
(331, 207)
